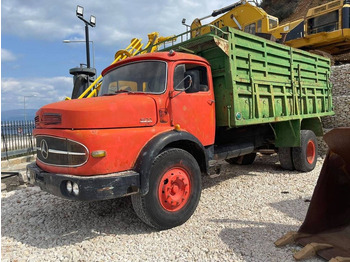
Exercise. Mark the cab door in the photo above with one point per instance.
(192, 101)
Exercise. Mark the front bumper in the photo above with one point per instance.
(99, 187)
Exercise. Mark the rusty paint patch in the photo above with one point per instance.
(105, 189)
(222, 44)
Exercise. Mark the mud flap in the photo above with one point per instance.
(326, 228)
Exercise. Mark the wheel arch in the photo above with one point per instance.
(287, 133)
(313, 124)
(170, 139)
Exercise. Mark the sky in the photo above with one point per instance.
(35, 62)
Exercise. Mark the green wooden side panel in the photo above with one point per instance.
(257, 81)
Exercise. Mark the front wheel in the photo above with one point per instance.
(174, 190)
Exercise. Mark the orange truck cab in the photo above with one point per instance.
(153, 111)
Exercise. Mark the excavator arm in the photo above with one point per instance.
(133, 49)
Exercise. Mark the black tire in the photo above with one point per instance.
(242, 160)
(305, 156)
(152, 208)
(285, 157)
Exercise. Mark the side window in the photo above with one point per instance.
(198, 75)
(250, 28)
(323, 23)
(258, 29)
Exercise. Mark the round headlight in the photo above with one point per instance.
(69, 187)
(75, 189)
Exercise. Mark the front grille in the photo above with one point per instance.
(63, 152)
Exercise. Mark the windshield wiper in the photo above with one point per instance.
(123, 91)
(118, 91)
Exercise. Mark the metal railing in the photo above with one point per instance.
(17, 138)
(186, 36)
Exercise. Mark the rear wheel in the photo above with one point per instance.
(242, 160)
(174, 190)
(305, 156)
(285, 157)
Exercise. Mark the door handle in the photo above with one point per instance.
(210, 102)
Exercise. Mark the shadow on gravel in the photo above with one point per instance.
(256, 239)
(38, 219)
(263, 163)
(250, 238)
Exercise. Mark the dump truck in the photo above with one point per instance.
(159, 119)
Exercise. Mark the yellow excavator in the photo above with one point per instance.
(325, 27)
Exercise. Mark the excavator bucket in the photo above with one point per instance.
(326, 229)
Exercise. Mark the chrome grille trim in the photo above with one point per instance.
(61, 153)
(66, 152)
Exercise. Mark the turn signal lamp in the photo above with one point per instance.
(98, 153)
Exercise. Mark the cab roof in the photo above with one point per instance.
(170, 56)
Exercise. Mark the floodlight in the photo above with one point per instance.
(80, 10)
(92, 20)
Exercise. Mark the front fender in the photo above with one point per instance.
(153, 148)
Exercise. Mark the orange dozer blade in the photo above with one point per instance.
(328, 218)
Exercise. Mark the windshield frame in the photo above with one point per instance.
(139, 92)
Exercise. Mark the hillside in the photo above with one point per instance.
(287, 10)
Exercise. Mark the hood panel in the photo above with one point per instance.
(121, 110)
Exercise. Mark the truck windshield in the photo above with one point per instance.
(145, 77)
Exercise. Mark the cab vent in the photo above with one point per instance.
(51, 119)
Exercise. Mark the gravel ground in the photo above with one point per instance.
(240, 215)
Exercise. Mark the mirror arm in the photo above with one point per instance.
(183, 89)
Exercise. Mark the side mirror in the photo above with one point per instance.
(185, 84)
(190, 83)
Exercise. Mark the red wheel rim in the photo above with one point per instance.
(174, 189)
(310, 151)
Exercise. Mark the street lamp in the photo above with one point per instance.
(187, 26)
(24, 106)
(92, 23)
(83, 41)
(184, 23)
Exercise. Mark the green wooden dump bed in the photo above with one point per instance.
(259, 81)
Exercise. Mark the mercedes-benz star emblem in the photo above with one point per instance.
(44, 149)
